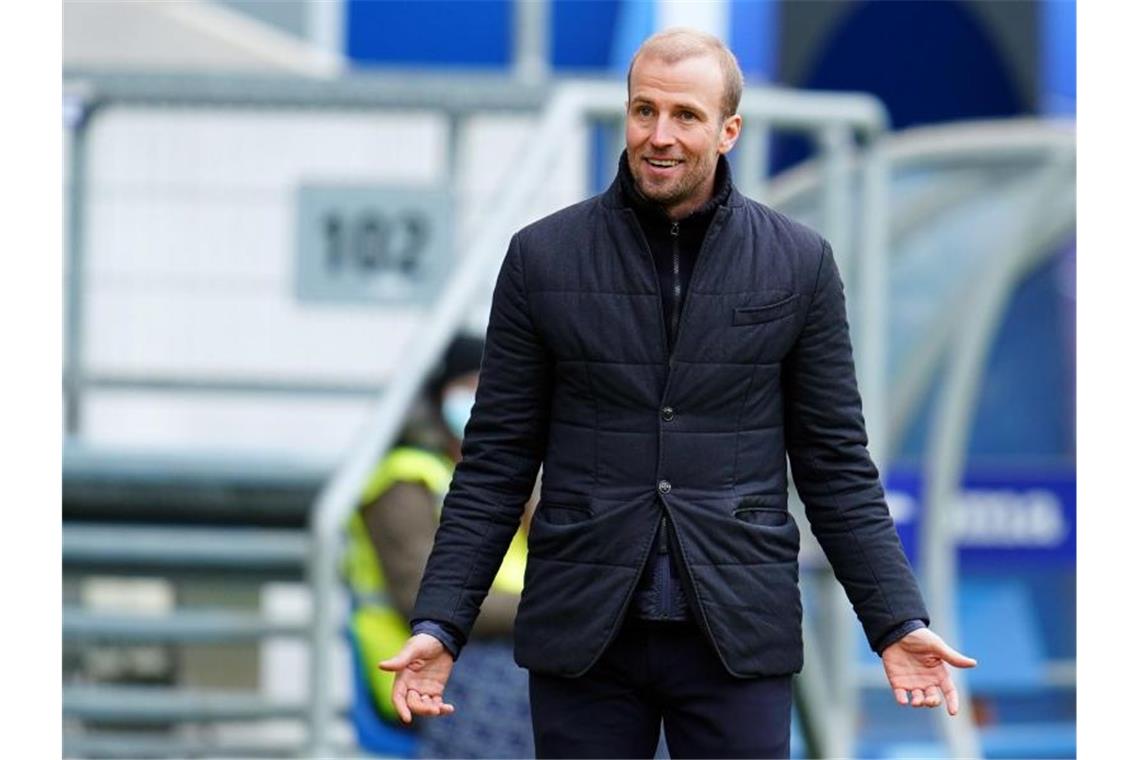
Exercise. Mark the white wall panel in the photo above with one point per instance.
(191, 231)
(242, 424)
(189, 260)
(229, 329)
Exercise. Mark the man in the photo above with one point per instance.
(662, 350)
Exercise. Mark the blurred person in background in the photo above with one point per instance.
(390, 537)
(662, 578)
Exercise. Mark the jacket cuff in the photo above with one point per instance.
(898, 632)
(445, 633)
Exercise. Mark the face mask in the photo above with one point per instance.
(457, 409)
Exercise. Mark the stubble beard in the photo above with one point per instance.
(680, 189)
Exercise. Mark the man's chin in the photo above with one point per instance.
(662, 195)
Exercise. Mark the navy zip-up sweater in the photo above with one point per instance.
(674, 246)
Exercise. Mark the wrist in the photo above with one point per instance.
(437, 631)
(898, 633)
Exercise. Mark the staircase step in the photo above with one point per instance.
(182, 626)
(153, 704)
(162, 487)
(128, 745)
(277, 551)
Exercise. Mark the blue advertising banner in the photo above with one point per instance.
(1002, 517)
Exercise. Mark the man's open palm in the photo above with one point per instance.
(422, 667)
(916, 669)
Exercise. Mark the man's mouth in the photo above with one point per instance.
(663, 163)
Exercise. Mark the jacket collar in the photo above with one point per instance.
(622, 192)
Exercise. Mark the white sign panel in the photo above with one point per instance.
(382, 244)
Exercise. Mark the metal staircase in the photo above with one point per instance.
(197, 527)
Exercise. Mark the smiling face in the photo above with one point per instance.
(674, 130)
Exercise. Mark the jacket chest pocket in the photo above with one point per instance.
(769, 312)
(763, 332)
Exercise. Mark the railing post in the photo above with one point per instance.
(949, 438)
(754, 158)
(79, 110)
(532, 40)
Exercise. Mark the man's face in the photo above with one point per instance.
(674, 132)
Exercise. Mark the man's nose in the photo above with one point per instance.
(662, 134)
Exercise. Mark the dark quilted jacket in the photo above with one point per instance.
(578, 377)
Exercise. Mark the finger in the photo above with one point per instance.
(423, 705)
(900, 696)
(954, 657)
(917, 697)
(933, 698)
(951, 695)
(400, 700)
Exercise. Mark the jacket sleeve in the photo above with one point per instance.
(833, 472)
(503, 446)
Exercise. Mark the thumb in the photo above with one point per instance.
(401, 659)
(954, 657)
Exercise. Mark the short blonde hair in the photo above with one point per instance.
(678, 43)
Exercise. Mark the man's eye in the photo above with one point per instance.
(687, 116)
(644, 111)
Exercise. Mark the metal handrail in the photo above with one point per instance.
(981, 142)
(1052, 214)
(977, 142)
(949, 435)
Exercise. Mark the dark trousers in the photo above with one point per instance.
(654, 672)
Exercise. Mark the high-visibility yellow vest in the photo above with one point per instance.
(379, 629)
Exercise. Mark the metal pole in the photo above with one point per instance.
(837, 144)
(754, 158)
(873, 289)
(946, 452)
(532, 40)
(326, 26)
(81, 111)
(812, 692)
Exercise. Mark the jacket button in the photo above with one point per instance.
(663, 486)
(667, 413)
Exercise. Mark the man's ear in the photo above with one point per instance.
(730, 132)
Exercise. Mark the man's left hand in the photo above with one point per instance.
(916, 669)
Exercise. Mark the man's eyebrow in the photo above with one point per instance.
(679, 106)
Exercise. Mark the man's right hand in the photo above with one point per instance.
(422, 667)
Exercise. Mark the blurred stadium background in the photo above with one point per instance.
(277, 214)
